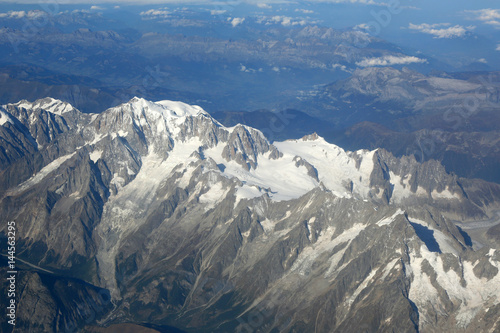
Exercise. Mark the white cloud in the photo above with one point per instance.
(97, 8)
(364, 2)
(390, 60)
(183, 22)
(83, 11)
(362, 26)
(488, 16)
(498, 47)
(218, 12)
(482, 60)
(264, 5)
(237, 21)
(280, 19)
(341, 67)
(442, 30)
(155, 14)
(14, 14)
(305, 11)
(245, 69)
(287, 21)
(32, 14)
(117, 7)
(151, 2)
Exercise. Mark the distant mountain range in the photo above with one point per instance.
(259, 66)
(451, 118)
(400, 110)
(94, 62)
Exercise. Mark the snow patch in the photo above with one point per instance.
(334, 165)
(391, 219)
(267, 225)
(402, 188)
(96, 155)
(49, 168)
(346, 236)
(476, 295)
(281, 179)
(361, 287)
(215, 194)
(187, 173)
(446, 194)
(247, 192)
(388, 268)
(5, 118)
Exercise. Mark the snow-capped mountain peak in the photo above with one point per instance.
(49, 104)
(168, 109)
(5, 118)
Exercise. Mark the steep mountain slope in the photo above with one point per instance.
(209, 228)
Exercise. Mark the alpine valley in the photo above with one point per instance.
(155, 214)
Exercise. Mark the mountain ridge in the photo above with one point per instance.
(195, 225)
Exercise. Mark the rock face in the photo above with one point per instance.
(55, 304)
(194, 225)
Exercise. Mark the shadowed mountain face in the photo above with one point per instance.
(190, 224)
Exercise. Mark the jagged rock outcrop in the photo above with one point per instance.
(47, 303)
